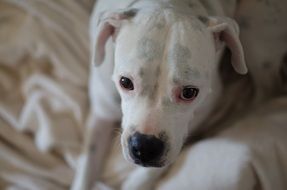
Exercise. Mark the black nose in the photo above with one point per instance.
(146, 150)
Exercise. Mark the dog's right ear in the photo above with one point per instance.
(108, 26)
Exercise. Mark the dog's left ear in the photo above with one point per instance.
(226, 30)
(108, 26)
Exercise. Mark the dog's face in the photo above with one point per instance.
(164, 64)
(162, 72)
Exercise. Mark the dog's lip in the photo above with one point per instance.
(150, 164)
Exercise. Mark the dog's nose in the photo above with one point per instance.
(146, 150)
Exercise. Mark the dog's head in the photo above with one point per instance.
(164, 67)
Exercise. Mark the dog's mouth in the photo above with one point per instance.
(155, 164)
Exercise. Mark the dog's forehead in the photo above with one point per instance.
(141, 46)
(190, 55)
(181, 46)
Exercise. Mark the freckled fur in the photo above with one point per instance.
(166, 101)
(153, 92)
(145, 90)
(141, 72)
(130, 13)
(179, 55)
(148, 49)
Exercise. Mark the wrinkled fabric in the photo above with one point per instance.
(44, 61)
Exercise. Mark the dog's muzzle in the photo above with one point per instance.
(146, 150)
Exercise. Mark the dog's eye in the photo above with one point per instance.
(126, 83)
(188, 93)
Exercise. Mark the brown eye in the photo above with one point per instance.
(126, 83)
(189, 93)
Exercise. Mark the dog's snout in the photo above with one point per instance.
(146, 150)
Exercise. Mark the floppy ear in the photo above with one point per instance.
(107, 26)
(226, 30)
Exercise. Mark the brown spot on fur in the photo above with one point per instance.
(191, 73)
(180, 54)
(141, 72)
(148, 49)
(130, 13)
(145, 90)
(175, 80)
(154, 91)
(166, 101)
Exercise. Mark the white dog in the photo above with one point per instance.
(155, 69)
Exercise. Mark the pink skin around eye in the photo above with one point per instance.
(176, 92)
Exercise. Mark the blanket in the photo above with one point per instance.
(43, 91)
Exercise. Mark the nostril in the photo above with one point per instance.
(136, 152)
(135, 146)
(145, 148)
